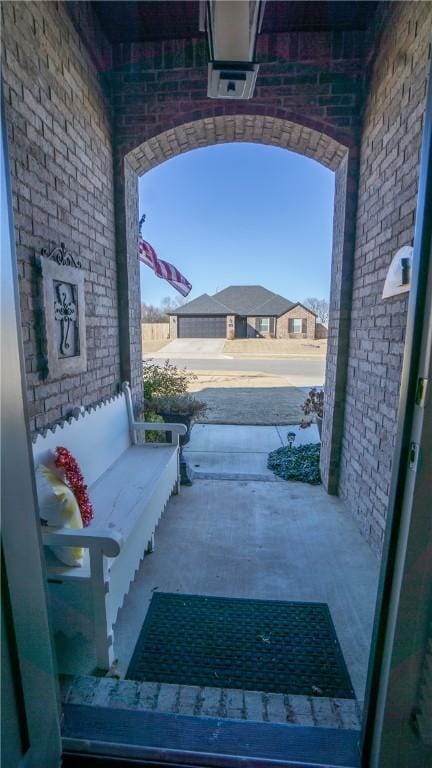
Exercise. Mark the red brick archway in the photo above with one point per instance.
(260, 129)
(263, 129)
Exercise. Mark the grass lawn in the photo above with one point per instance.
(150, 345)
(247, 397)
(276, 347)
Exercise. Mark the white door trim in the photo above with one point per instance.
(20, 531)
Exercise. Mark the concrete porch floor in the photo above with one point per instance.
(268, 540)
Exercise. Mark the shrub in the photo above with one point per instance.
(183, 405)
(164, 380)
(153, 436)
(314, 403)
(301, 463)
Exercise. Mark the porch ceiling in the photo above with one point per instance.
(141, 21)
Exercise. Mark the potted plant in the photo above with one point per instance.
(164, 379)
(314, 404)
(178, 409)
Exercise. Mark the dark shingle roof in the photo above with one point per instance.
(237, 300)
(253, 300)
(202, 305)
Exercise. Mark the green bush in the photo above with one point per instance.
(164, 380)
(153, 436)
(182, 405)
(301, 463)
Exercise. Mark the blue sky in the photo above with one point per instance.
(240, 214)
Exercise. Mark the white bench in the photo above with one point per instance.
(129, 485)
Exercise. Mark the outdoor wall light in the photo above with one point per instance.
(291, 436)
(232, 27)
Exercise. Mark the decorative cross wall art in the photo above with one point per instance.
(64, 310)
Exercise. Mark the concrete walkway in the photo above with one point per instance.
(232, 452)
(191, 348)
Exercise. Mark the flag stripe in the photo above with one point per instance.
(163, 269)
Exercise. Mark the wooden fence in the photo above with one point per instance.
(155, 331)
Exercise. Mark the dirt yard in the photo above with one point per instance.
(154, 345)
(248, 397)
(276, 347)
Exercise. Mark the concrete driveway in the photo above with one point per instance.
(190, 349)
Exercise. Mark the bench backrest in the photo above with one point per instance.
(95, 439)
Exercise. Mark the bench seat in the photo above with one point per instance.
(121, 498)
(129, 485)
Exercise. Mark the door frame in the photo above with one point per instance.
(408, 528)
(35, 672)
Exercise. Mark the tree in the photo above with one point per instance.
(320, 307)
(169, 303)
(152, 314)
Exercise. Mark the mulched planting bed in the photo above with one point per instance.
(300, 463)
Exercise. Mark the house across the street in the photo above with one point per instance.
(240, 312)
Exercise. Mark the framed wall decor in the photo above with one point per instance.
(64, 311)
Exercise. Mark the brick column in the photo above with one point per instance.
(129, 298)
(339, 320)
(230, 327)
(173, 327)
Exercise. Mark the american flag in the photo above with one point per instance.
(163, 269)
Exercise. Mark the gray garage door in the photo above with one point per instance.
(209, 327)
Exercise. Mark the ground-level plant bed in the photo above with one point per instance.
(300, 463)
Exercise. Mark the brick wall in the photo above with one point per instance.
(128, 274)
(345, 206)
(298, 312)
(389, 167)
(313, 80)
(62, 184)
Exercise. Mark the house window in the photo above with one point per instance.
(263, 325)
(297, 325)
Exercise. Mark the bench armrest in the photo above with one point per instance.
(108, 542)
(145, 426)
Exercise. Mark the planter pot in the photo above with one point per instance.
(177, 418)
(319, 421)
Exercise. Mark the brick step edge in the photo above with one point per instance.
(229, 703)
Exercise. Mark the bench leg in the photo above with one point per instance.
(104, 649)
(102, 628)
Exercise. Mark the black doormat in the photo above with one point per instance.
(261, 645)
